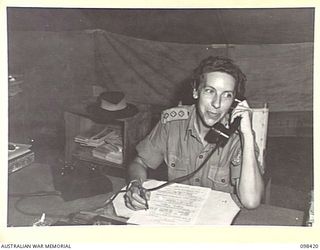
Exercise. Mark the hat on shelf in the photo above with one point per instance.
(111, 105)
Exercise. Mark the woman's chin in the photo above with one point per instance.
(210, 122)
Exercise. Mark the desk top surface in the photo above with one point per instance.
(264, 215)
(270, 215)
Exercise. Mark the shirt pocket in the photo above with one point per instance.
(177, 166)
(220, 176)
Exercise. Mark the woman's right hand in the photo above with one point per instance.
(136, 196)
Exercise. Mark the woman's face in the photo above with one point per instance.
(216, 95)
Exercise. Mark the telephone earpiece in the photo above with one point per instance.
(218, 133)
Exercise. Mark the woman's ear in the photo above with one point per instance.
(195, 93)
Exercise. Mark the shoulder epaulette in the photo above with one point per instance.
(174, 114)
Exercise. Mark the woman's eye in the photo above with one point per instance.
(228, 95)
(209, 91)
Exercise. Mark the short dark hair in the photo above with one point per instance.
(220, 64)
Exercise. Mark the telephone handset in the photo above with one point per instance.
(218, 133)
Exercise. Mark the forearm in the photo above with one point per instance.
(137, 170)
(135, 197)
(250, 185)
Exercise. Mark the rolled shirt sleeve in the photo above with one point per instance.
(236, 162)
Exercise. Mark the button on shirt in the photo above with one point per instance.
(178, 144)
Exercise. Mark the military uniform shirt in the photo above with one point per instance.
(176, 141)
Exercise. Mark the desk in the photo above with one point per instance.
(24, 181)
(264, 215)
(270, 215)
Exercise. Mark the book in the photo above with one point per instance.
(17, 149)
(20, 162)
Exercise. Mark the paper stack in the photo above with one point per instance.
(94, 137)
(111, 149)
(106, 144)
(109, 152)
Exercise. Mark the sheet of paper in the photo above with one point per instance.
(179, 204)
(219, 209)
(176, 204)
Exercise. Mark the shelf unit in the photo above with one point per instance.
(133, 129)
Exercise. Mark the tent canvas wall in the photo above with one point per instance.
(62, 53)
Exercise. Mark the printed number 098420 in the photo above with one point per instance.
(309, 246)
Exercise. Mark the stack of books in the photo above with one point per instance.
(19, 156)
(105, 144)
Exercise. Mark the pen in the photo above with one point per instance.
(143, 195)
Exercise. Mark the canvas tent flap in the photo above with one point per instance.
(67, 64)
(147, 71)
(61, 53)
(154, 72)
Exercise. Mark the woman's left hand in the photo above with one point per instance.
(245, 112)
